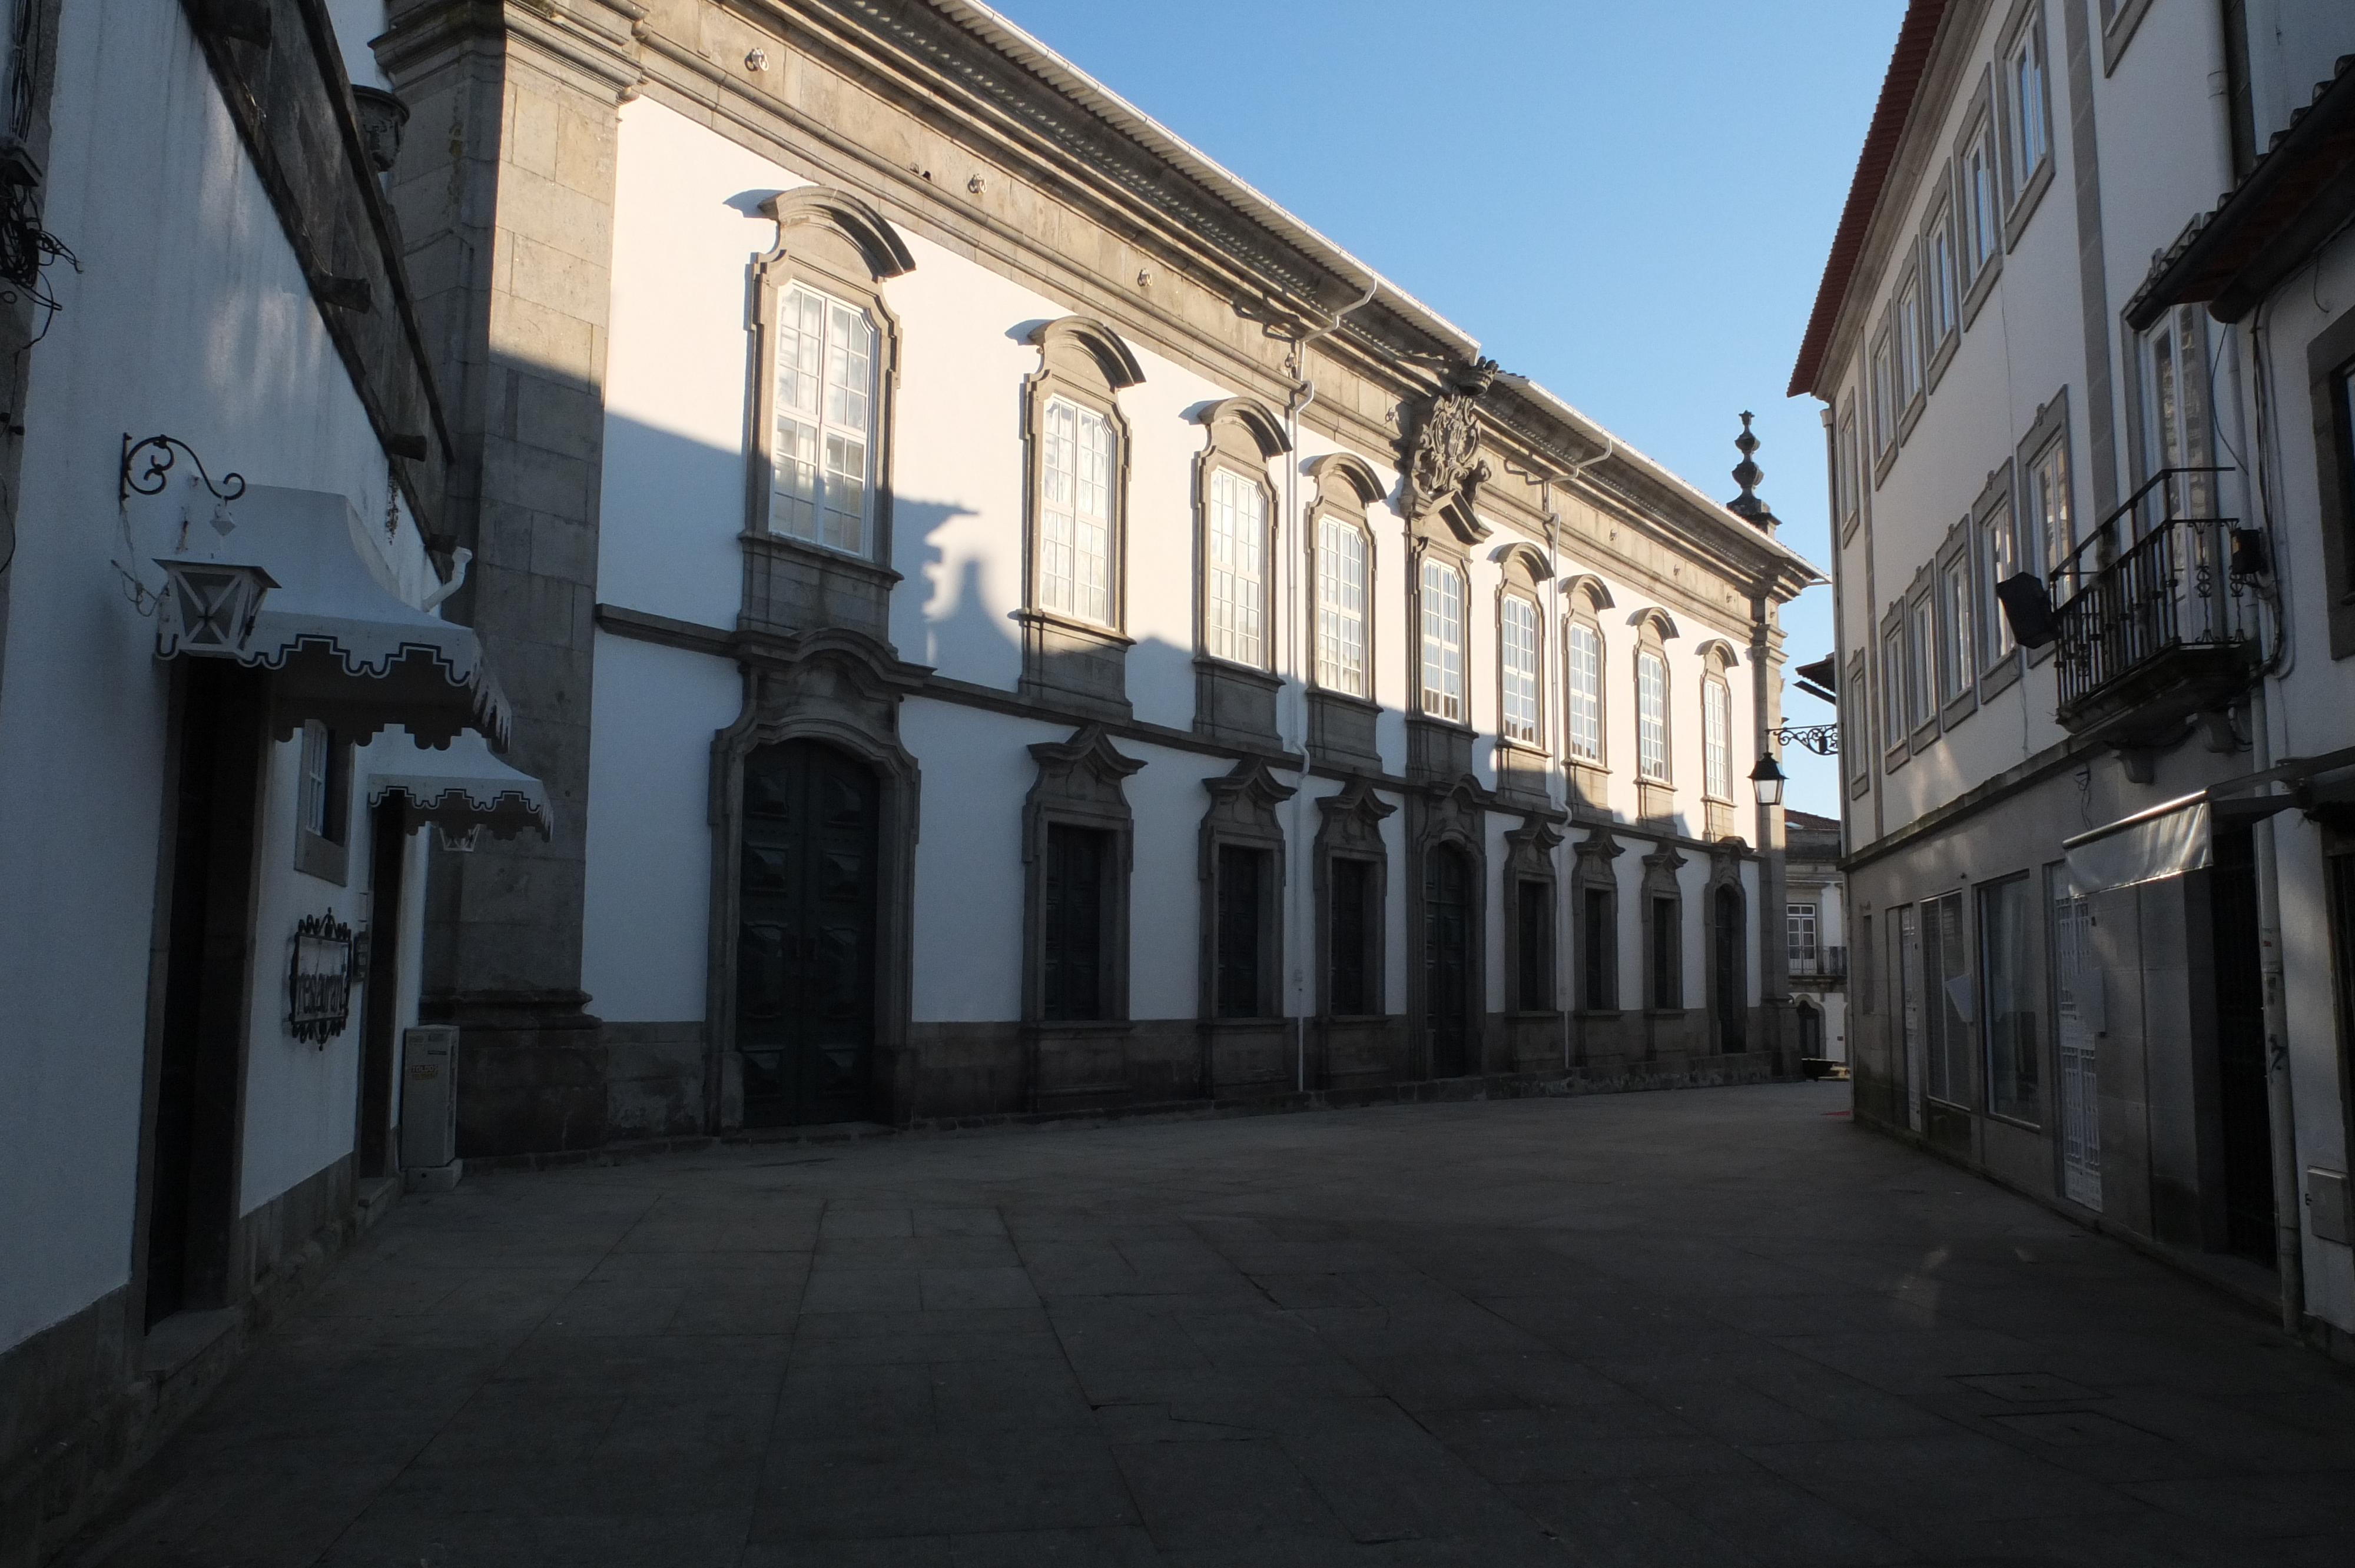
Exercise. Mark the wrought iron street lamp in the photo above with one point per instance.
(1767, 779)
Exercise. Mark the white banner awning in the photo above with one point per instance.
(345, 647)
(458, 787)
(2165, 841)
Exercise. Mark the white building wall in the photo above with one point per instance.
(224, 349)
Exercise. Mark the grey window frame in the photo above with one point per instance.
(2023, 189)
(1941, 347)
(1979, 126)
(324, 852)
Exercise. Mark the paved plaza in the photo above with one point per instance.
(1714, 1327)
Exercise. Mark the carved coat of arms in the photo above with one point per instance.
(1444, 460)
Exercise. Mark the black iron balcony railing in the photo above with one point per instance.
(2156, 617)
(1823, 963)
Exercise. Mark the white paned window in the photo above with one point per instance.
(2025, 81)
(2048, 504)
(1938, 254)
(1850, 487)
(1237, 568)
(1517, 652)
(1893, 688)
(1075, 514)
(1884, 395)
(1909, 342)
(1954, 655)
(1651, 715)
(825, 432)
(1585, 692)
(1340, 607)
(1443, 642)
(1982, 217)
(2000, 558)
(317, 802)
(1716, 740)
(1802, 938)
(1922, 665)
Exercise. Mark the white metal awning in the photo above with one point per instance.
(458, 787)
(292, 588)
(2164, 839)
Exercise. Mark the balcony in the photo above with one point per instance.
(2158, 620)
(1824, 966)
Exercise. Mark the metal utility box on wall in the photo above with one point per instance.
(429, 1108)
(2327, 1205)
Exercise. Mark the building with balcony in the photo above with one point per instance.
(1815, 912)
(2087, 509)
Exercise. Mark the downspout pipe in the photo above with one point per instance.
(1303, 393)
(2281, 1107)
(1553, 616)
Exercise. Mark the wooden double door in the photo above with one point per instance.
(805, 943)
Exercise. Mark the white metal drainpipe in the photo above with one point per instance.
(2289, 1252)
(1303, 393)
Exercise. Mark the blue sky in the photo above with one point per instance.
(1629, 203)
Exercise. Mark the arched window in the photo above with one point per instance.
(1652, 715)
(1075, 512)
(1585, 684)
(1517, 645)
(1716, 737)
(1443, 642)
(824, 433)
(1342, 581)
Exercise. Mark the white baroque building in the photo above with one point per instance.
(2089, 462)
(1015, 622)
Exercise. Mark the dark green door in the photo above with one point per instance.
(805, 940)
(1447, 958)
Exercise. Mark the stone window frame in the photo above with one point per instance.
(1719, 661)
(1234, 700)
(1979, 121)
(1592, 872)
(1921, 700)
(1956, 552)
(1081, 783)
(1998, 495)
(1849, 455)
(1351, 829)
(2118, 19)
(1590, 778)
(1529, 857)
(1424, 692)
(2195, 392)
(2023, 190)
(1909, 336)
(1242, 814)
(1725, 876)
(1660, 885)
(1341, 724)
(1939, 350)
(1523, 573)
(837, 245)
(1068, 661)
(1655, 793)
(1857, 723)
(2047, 429)
(2331, 384)
(1444, 535)
(1453, 814)
(1895, 711)
(1886, 415)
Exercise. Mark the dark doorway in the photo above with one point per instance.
(1728, 975)
(1533, 936)
(208, 952)
(1599, 950)
(2243, 1120)
(1447, 959)
(1072, 981)
(805, 947)
(1241, 872)
(1811, 1032)
(1348, 991)
(387, 852)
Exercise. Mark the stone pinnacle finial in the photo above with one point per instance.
(1747, 474)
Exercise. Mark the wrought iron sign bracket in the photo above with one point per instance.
(159, 450)
(1823, 739)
